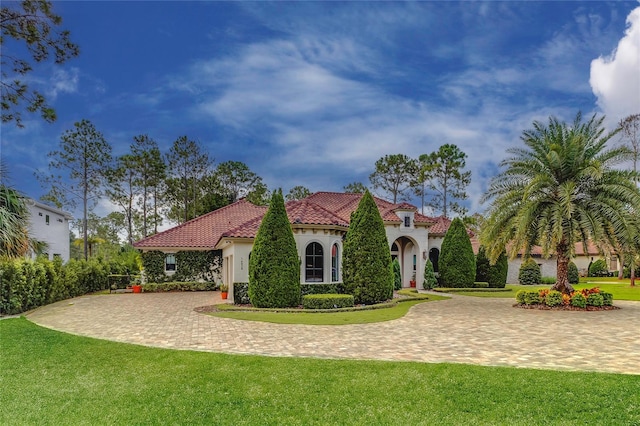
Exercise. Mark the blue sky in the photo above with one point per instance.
(314, 93)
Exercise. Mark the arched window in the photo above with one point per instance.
(335, 264)
(314, 261)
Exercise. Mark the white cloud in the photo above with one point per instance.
(615, 79)
(63, 81)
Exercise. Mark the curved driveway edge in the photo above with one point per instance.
(468, 330)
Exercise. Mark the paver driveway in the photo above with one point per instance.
(463, 330)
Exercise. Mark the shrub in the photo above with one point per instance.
(397, 276)
(574, 275)
(430, 280)
(482, 265)
(497, 274)
(178, 286)
(598, 268)
(333, 288)
(595, 299)
(274, 268)
(327, 301)
(532, 297)
(520, 295)
(457, 261)
(548, 280)
(578, 300)
(554, 298)
(479, 284)
(529, 273)
(241, 293)
(366, 255)
(607, 298)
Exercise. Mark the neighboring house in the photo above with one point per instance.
(319, 223)
(51, 226)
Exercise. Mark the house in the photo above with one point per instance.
(51, 226)
(319, 223)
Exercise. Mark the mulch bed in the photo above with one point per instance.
(542, 307)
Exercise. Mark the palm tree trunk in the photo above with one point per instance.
(632, 272)
(562, 284)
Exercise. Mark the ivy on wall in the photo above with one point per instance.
(190, 266)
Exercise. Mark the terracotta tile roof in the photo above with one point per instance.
(242, 220)
(205, 231)
(441, 226)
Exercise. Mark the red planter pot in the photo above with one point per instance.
(412, 284)
(224, 294)
(137, 288)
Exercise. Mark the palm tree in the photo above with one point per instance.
(14, 217)
(560, 190)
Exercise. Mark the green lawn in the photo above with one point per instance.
(332, 318)
(620, 291)
(53, 378)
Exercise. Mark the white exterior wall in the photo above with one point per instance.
(55, 232)
(419, 239)
(326, 238)
(548, 268)
(235, 264)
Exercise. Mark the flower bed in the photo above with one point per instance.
(588, 299)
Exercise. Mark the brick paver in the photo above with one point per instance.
(463, 329)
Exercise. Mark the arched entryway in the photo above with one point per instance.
(406, 250)
(434, 256)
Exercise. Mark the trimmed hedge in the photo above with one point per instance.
(241, 294)
(574, 275)
(457, 262)
(397, 275)
(430, 280)
(178, 286)
(241, 291)
(327, 301)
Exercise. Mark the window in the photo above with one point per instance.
(414, 263)
(170, 262)
(314, 260)
(46, 219)
(407, 222)
(335, 266)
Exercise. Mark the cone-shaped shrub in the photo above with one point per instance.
(457, 261)
(366, 257)
(430, 280)
(482, 266)
(274, 268)
(573, 274)
(529, 273)
(497, 274)
(397, 276)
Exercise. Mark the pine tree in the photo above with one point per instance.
(366, 256)
(274, 267)
(457, 261)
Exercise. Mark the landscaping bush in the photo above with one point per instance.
(532, 297)
(274, 267)
(241, 294)
(578, 300)
(366, 255)
(607, 298)
(482, 265)
(553, 298)
(497, 274)
(333, 288)
(520, 295)
(599, 269)
(178, 286)
(457, 262)
(327, 301)
(548, 280)
(430, 280)
(529, 273)
(574, 275)
(479, 284)
(595, 299)
(397, 276)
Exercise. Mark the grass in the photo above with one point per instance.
(332, 318)
(620, 291)
(53, 378)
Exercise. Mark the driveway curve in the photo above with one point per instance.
(470, 330)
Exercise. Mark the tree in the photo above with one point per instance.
(366, 270)
(561, 189)
(121, 189)
(497, 273)
(448, 180)
(430, 280)
(397, 276)
(457, 262)
(482, 266)
(260, 195)
(85, 156)
(274, 267)
(14, 220)
(355, 188)
(420, 180)
(33, 26)
(150, 172)
(235, 180)
(529, 273)
(298, 193)
(394, 174)
(188, 165)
